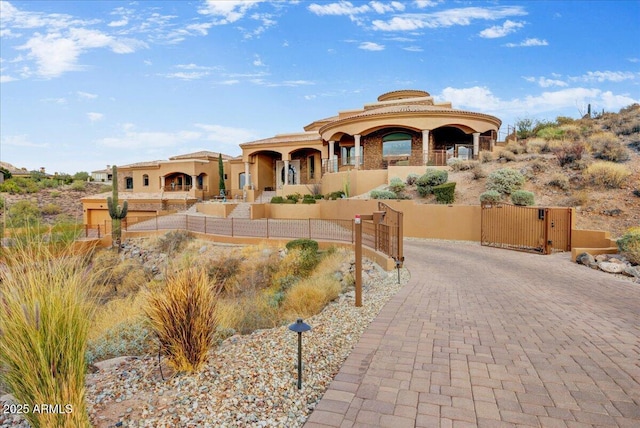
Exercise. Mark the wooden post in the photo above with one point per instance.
(358, 267)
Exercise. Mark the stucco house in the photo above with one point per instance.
(403, 128)
(403, 131)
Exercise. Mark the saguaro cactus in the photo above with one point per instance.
(116, 212)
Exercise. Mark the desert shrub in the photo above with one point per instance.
(55, 194)
(183, 317)
(606, 146)
(2, 203)
(607, 174)
(51, 209)
(130, 337)
(629, 245)
(19, 185)
(537, 145)
(507, 155)
(277, 200)
(424, 190)
(113, 276)
(78, 186)
(338, 194)
(445, 193)
(44, 324)
(303, 244)
(477, 172)
(310, 296)
(294, 197)
(463, 165)
(411, 179)
(505, 181)
(560, 181)
(572, 132)
(577, 199)
(396, 185)
(550, 133)
(433, 177)
(568, 153)
(382, 194)
(223, 268)
(174, 241)
(485, 156)
(522, 197)
(490, 197)
(308, 199)
(515, 148)
(23, 213)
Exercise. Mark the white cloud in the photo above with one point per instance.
(95, 117)
(86, 95)
(527, 43)
(371, 46)
(339, 8)
(257, 61)
(426, 3)
(132, 139)
(446, 18)
(120, 23)
(192, 75)
(606, 76)
(380, 7)
(543, 82)
(228, 11)
(413, 49)
(229, 82)
(501, 30)
(20, 141)
(226, 134)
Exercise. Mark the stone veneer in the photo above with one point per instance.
(372, 144)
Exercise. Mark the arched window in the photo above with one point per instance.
(396, 148)
(145, 180)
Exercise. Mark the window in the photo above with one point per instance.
(145, 180)
(128, 182)
(349, 155)
(312, 166)
(396, 145)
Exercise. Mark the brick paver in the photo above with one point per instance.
(489, 337)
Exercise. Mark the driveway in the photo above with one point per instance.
(494, 338)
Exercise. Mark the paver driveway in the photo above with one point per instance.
(494, 338)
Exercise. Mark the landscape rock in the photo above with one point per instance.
(587, 260)
(633, 271)
(611, 267)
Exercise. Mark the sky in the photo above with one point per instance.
(87, 83)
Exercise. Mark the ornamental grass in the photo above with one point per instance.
(183, 317)
(44, 323)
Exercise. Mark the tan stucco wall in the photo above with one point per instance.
(216, 209)
(359, 181)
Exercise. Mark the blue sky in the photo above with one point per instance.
(90, 83)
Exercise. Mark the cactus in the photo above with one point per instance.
(116, 212)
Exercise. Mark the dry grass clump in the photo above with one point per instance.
(477, 172)
(515, 147)
(577, 199)
(44, 324)
(507, 156)
(485, 156)
(560, 181)
(607, 174)
(115, 277)
(607, 146)
(569, 153)
(537, 145)
(183, 316)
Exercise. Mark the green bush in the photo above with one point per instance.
(411, 179)
(277, 200)
(522, 197)
(490, 197)
(78, 186)
(629, 245)
(396, 185)
(309, 201)
(550, 133)
(51, 209)
(303, 244)
(19, 185)
(23, 213)
(383, 194)
(338, 194)
(294, 197)
(445, 193)
(425, 190)
(290, 201)
(433, 177)
(505, 181)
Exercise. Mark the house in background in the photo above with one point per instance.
(102, 175)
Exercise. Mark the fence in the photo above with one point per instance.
(531, 229)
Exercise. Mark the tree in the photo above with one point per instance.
(221, 185)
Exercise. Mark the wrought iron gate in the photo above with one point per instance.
(531, 229)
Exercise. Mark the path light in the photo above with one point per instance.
(299, 327)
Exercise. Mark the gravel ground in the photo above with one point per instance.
(249, 381)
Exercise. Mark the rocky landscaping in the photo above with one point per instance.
(611, 263)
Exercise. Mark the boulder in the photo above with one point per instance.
(633, 271)
(611, 267)
(587, 260)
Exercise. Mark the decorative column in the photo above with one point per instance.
(425, 146)
(286, 172)
(476, 144)
(357, 149)
(331, 154)
(247, 176)
(162, 183)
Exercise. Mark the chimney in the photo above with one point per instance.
(42, 169)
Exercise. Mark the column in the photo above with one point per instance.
(247, 180)
(331, 154)
(425, 146)
(286, 172)
(476, 144)
(357, 149)
(194, 182)
(162, 183)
